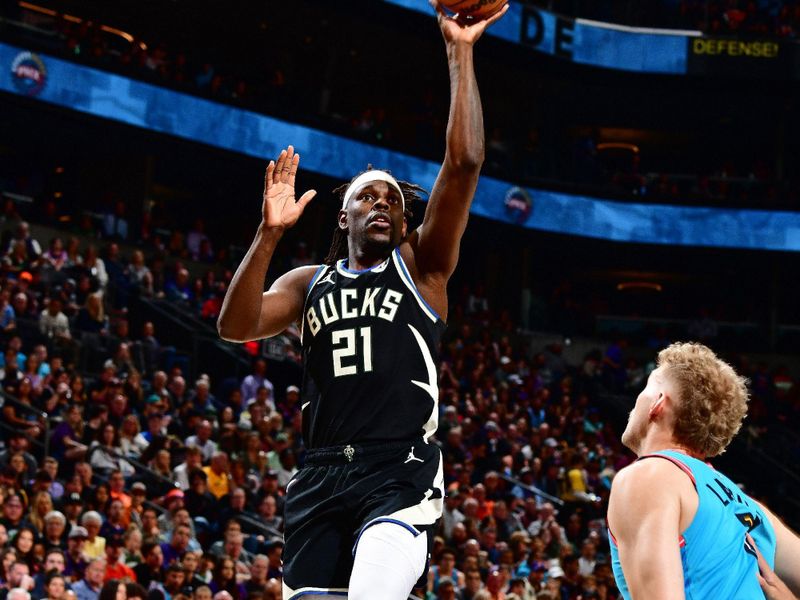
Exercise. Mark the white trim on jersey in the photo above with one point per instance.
(431, 386)
(429, 509)
(406, 277)
(314, 280)
(352, 274)
(318, 593)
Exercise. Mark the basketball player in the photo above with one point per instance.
(678, 527)
(360, 514)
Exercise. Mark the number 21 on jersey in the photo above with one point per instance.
(349, 343)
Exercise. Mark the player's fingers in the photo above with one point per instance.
(293, 169)
(763, 567)
(763, 583)
(496, 16)
(441, 13)
(482, 25)
(279, 166)
(287, 164)
(306, 198)
(268, 175)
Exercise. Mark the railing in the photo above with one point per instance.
(197, 338)
(533, 489)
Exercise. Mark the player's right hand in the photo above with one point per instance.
(280, 210)
(771, 584)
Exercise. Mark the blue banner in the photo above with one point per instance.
(111, 96)
(587, 42)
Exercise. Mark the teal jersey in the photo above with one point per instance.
(717, 560)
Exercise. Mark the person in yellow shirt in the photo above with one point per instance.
(95, 546)
(218, 475)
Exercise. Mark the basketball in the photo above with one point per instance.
(476, 9)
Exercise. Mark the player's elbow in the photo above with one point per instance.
(230, 332)
(469, 160)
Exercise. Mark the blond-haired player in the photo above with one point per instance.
(679, 527)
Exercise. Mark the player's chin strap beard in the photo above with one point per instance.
(364, 178)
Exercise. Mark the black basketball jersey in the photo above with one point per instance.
(370, 353)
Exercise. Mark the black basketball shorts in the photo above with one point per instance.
(343, 490)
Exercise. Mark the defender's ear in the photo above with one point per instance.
(657, 407)
(342, 220)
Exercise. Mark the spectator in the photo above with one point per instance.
(195, 239)
(258, 575)
(139, 276)
(113, 590)
(8, 318)
(53, 323)
(95, 545)
(55, 584)
(13, 514)
(179, 542)
(116, 569)
(76, 562)
(22, 234)
(115, 225)
(224, 579)
(23, 542)
(21, 414)
(55, 531)
(174, 580)
(94, 267)
(114, 525)
(89, 587)
(267, 514)
(151, 569)
(199, 501)
(105, 453)
(55, 257)
(193, 461)
(256, 380)
(91, 317)
(202, 440)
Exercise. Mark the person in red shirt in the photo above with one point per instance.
(115, 568)
(116, 484)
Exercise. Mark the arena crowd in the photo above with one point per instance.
(121, 470)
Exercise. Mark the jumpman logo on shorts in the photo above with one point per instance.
(412, 457)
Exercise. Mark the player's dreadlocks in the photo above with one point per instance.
(339, 248)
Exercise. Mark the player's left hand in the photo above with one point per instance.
(771, 584)
(466, 30)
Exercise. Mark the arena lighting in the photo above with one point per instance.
(639, 285)
(618, 146)
(72, 19)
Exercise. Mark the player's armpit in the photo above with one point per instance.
(644, 514)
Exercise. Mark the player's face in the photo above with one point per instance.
(640, 415)
(374, 216)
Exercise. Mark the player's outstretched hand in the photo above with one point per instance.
(771, 584)
(280, 211)
(455, 29)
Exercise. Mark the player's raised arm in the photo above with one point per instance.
(249, 313)
(644, 513)
(436, 248)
